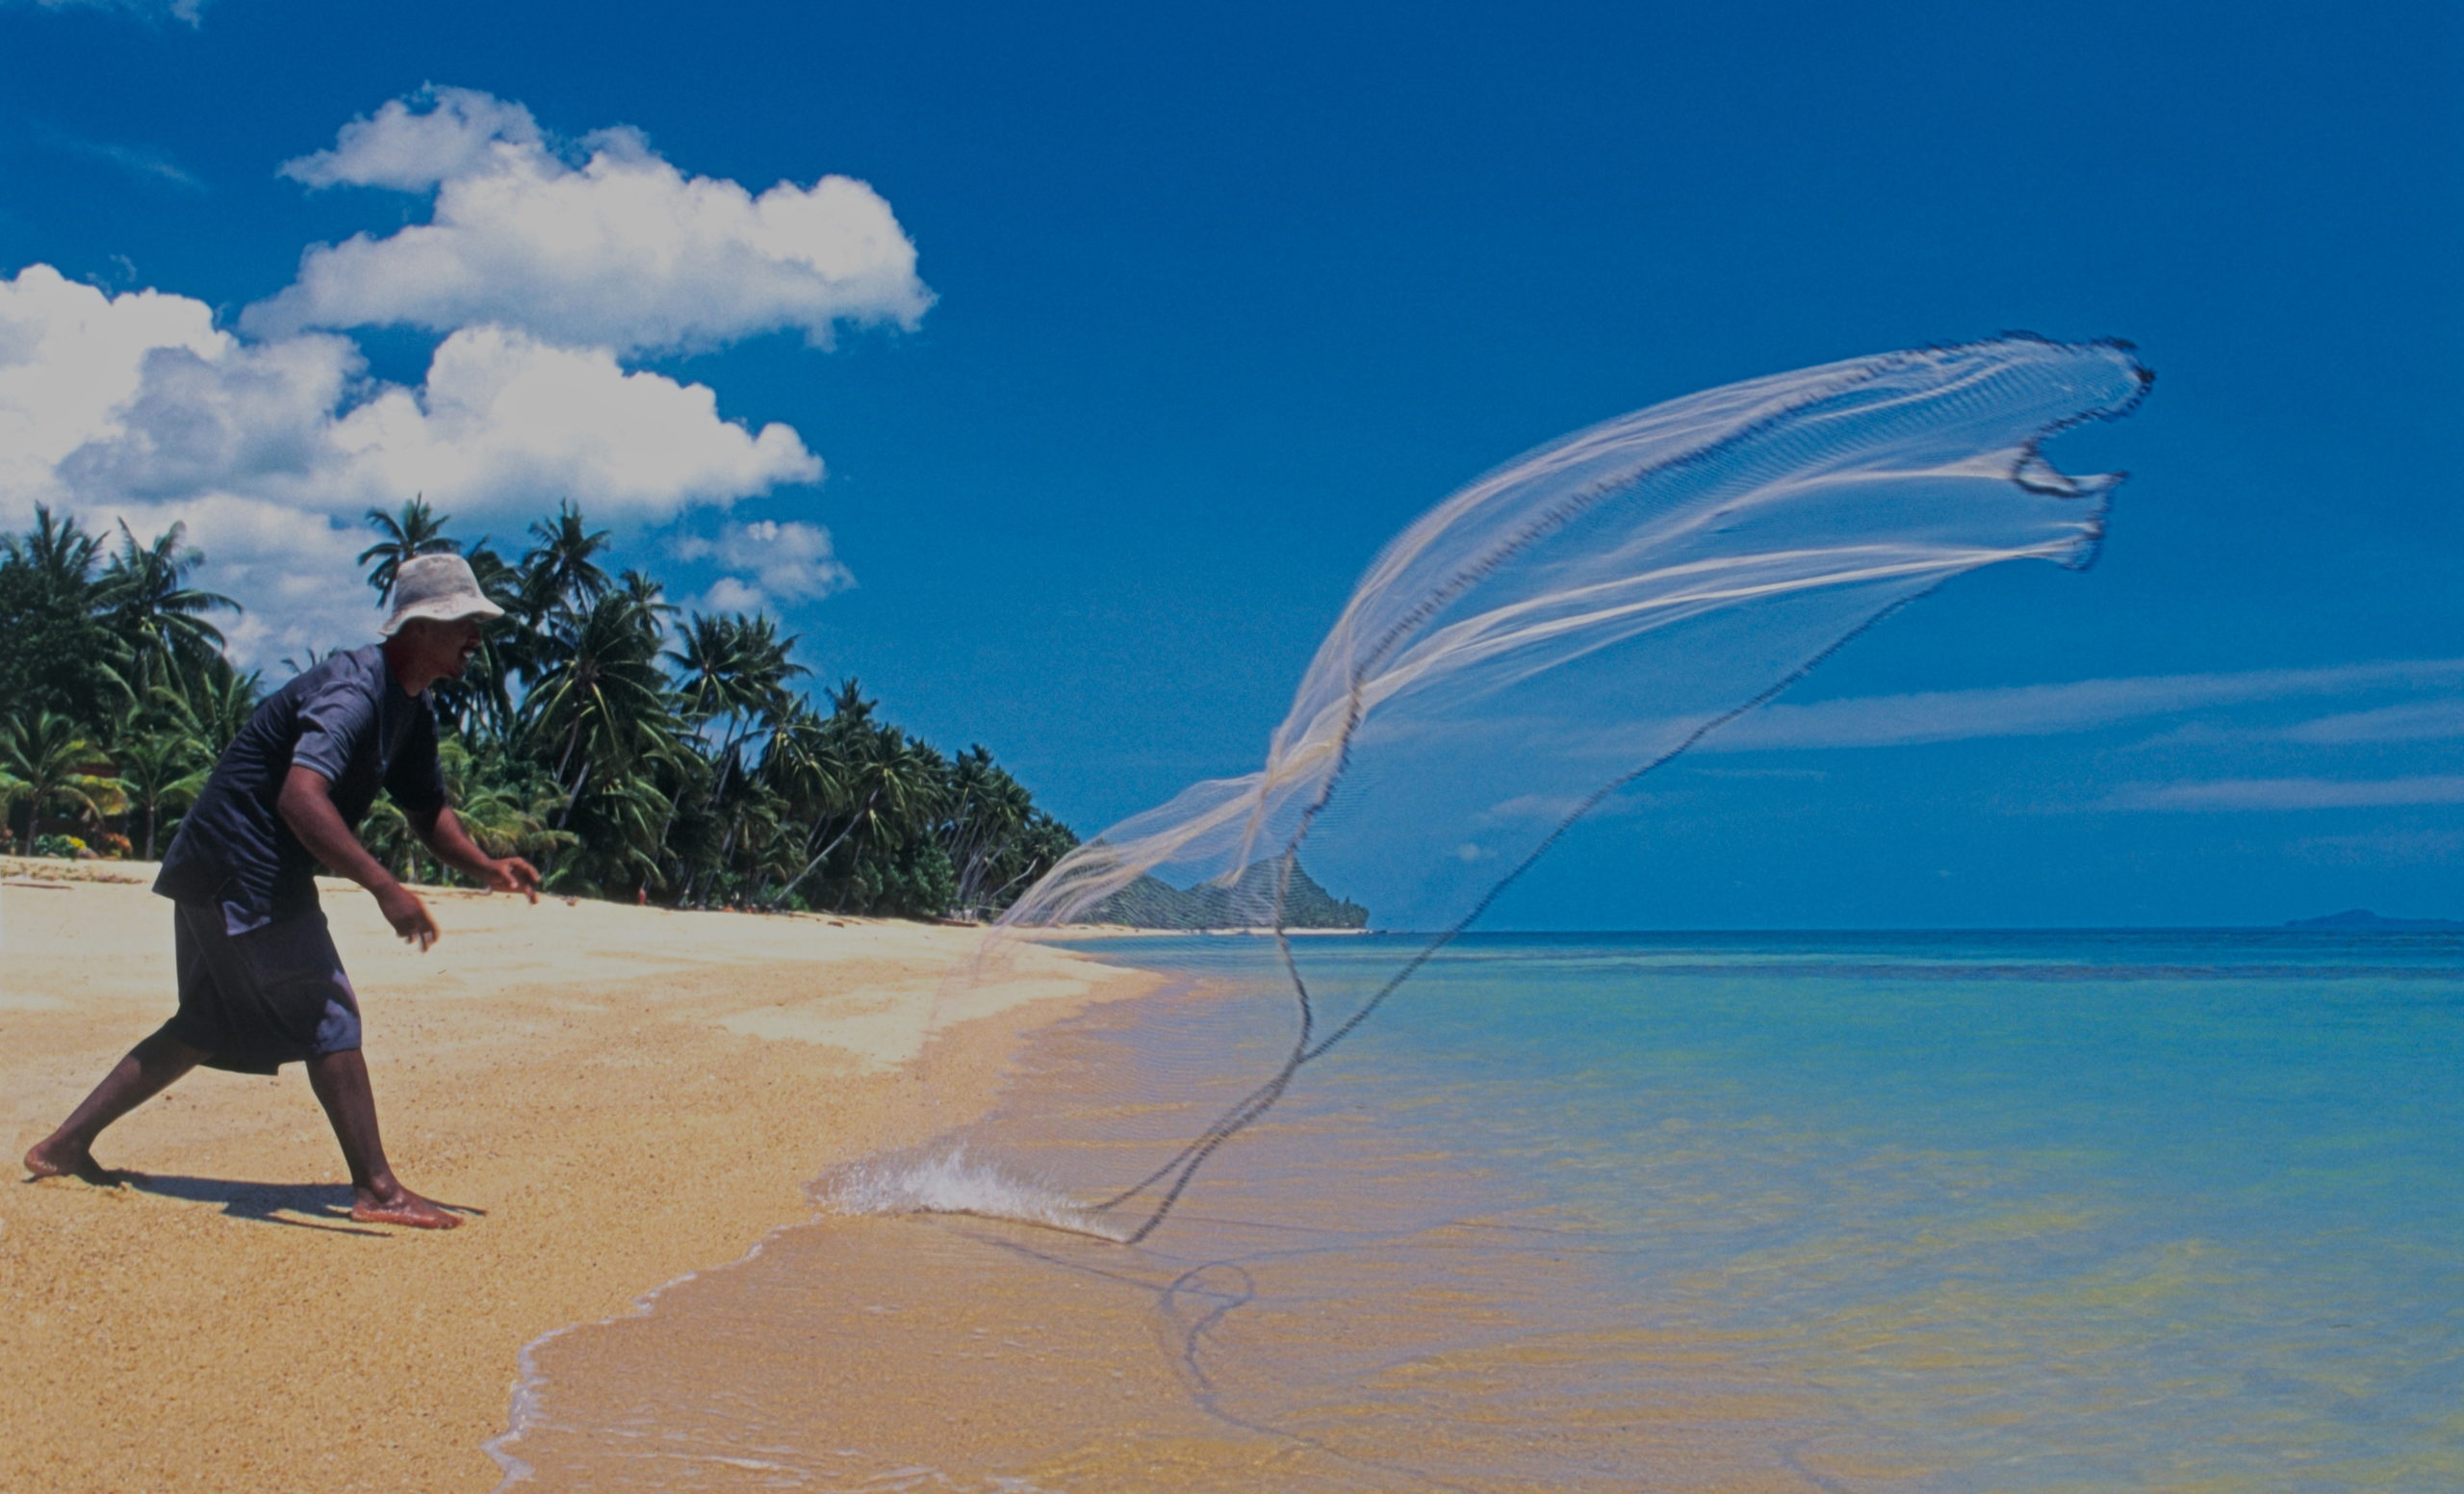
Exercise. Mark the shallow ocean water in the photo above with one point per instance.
(2032, 1211)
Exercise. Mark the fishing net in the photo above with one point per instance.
(1285, 1169)
(1549, 635)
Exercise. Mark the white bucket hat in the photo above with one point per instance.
(438, 586)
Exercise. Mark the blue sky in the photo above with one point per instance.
(1203, 307)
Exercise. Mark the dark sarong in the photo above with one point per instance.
(256, 1000)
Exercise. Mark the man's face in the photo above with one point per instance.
(446, 647)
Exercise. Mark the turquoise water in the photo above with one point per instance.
(1855, 1213)
(2086, 1210)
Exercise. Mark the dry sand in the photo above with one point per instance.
(619, 1095)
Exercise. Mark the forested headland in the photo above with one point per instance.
(629, 749)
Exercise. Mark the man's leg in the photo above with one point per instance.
(377, 1196)
(148, 1070)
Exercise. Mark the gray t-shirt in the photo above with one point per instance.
(347, 720)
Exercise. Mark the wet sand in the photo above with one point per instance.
(618, 1097)
(1345, 1305)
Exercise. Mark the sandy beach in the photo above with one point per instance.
(617, 1096)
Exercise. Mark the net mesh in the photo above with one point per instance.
(1543, 638)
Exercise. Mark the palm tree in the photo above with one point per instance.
(58, 551)
(802, 764)
(156, 613)
(647, 593)
(208, 703)
(600, 702)
(417, 531)
(848, 707)
(706, 666)
(385, 833)
(903, 780)
(57, 650)
(737, 668)
(568, 741)
(560, 570)
(988, 812)
(895, 786)
(46, 762)
(503, 825)
(1038, 848)
(805, 770)
(617, 828)
(158, 773)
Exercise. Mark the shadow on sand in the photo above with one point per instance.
(325, 1205)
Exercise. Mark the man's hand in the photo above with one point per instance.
(453, 845)
(513, 874)
(306, 805)
(408, 915)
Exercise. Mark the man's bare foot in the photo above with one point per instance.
(402, 1206)
(55, 1157)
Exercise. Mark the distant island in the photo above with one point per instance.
(1151, 903)
(2364, 918)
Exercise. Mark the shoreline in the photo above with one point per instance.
(1128, 930)
(980, 1048)
(622, 1097)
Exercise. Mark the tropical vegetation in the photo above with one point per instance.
(628, 747)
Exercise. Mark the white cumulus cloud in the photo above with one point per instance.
(412, 151)
(775, 561)
(731, 594)
(617, 249)
(137, 397)
(507, 423)
(137, 405)
(69, 356)
(543, 268)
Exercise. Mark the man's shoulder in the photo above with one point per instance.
(361, 670)
(364, 665)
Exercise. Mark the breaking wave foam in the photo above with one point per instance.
(949, 1182)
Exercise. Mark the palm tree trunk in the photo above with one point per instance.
(34, 816)
(815, 862)
(579, 779)
(572, 739)
(994, 895)
(710, 801)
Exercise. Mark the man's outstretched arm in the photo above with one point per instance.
(453, 845)
(306, 805)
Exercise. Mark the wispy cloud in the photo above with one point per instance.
(2289, 793)
(1549, 808)
(2078, 705)
(2382, 848)
(2413, 721)
(139, 161)
(192, 11)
